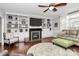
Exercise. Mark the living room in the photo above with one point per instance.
(25, 26)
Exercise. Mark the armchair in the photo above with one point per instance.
(9, 38)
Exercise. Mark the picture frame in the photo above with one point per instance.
(44, 23)
(21, 30)
(48, 23)
(56, 24)
(26, 30)
(10, 17)
(9, 31)
(23, 22)
(15, 30)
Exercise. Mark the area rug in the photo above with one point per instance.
(48, 49)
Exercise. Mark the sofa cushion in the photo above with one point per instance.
(12, 40)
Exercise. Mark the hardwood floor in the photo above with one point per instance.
(22, 48)
(75, 48)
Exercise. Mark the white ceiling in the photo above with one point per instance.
(32, 8)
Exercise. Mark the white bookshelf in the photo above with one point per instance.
(16, 23)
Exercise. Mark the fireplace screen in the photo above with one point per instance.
(35, 35)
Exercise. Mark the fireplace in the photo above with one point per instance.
(35, 33)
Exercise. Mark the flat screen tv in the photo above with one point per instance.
(35, 22)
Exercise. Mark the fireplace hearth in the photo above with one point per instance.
(35, 33)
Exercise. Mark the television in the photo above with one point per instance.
(35, 22)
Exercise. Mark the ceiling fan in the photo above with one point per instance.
(53, 6)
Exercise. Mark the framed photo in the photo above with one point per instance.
(55, 24)
(15, 30)
(9, 31)
(23, 21)
(26, 30)
(21, 30)
(10, 17)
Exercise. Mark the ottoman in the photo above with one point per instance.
(63, 42)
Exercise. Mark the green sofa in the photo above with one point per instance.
(63, 42)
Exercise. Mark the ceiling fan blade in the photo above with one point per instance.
(46, 10)
(54, 9)
(42, 6)
(60, 4)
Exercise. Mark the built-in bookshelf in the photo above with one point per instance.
(48, 24)
(44, 24)
(12, 23)
(23, 24)
(16, 23)
(19, 23)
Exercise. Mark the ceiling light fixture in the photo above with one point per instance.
(51, 8)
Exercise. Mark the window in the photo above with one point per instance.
(73, 20)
